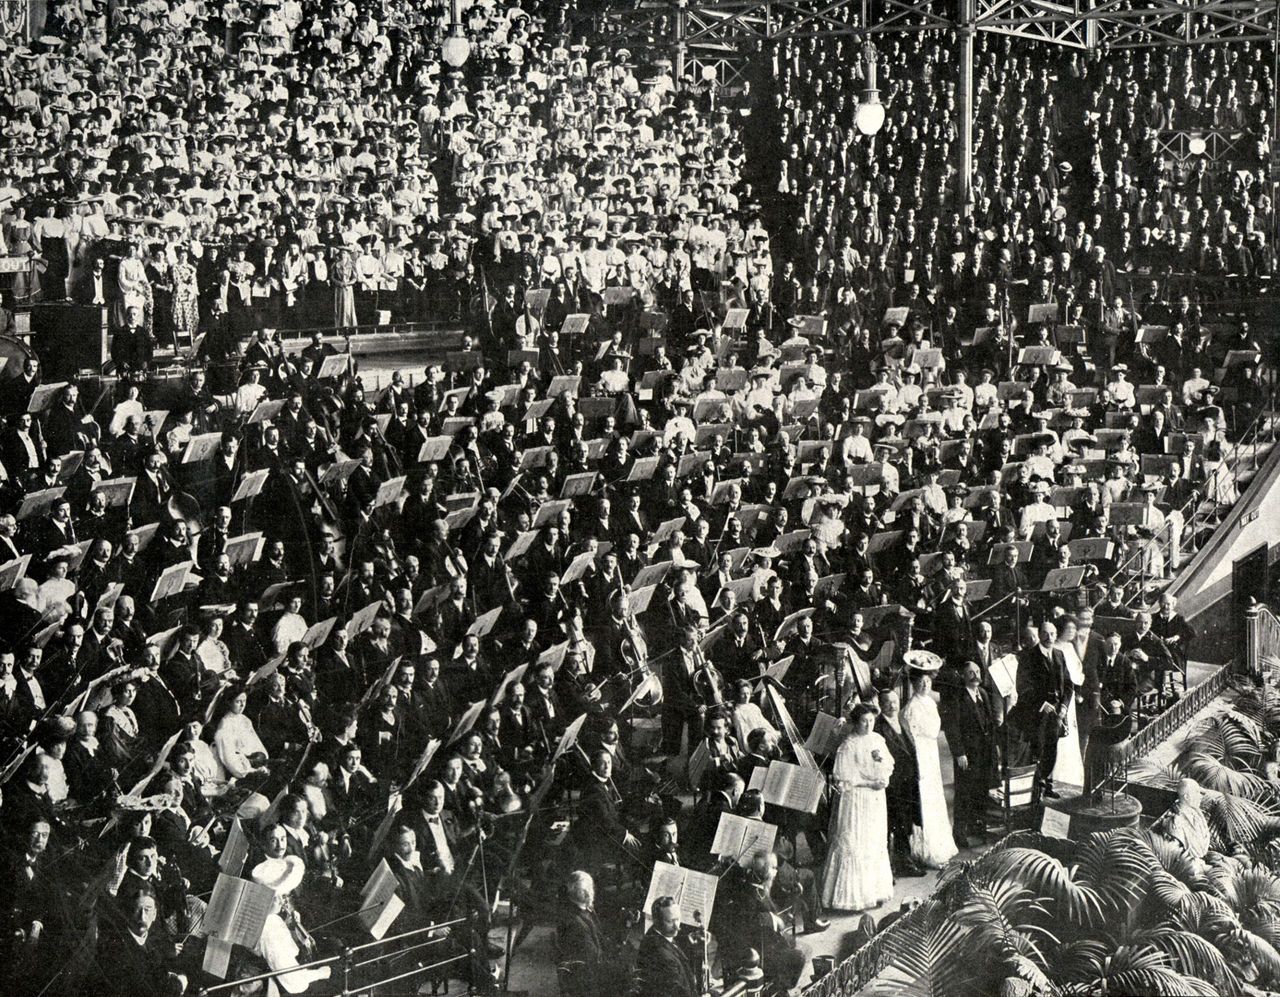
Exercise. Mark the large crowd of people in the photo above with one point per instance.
(762, 447)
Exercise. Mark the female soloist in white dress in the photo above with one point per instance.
(858, 875)
(1068, 770)
(933, 844)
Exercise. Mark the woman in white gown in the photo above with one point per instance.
(933, 844)
(235, 741)
(858, 875)
(1068, 770)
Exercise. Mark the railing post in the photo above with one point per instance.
(1253, 640)
(346, 972)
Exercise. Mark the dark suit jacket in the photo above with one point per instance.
(1040, 681)
(16, 461)
(580, 953)
(903, 792)
(665, 967)
(970, 729)
(598, 830)
(952, 631)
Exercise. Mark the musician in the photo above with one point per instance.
(152, 491)
(663, 844)
(416, 713)
(801, 647)
(748, 915)
(669, 959)
(468, 677)
(690, 684)
(723, 753)
(549, 610)
(353, 788)
(573, 684)
(545, 704)
(54, 531)
(598, 835)
(737, 653)
(584, 953)
(141, 954)
(489, 578)
(952, 624)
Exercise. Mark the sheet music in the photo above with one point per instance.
(694, 891)
(1004, 673)
(697, 896)
(217, 957)
(235, 851)
(756, 781)
(378, 901)
(237, 910)
(793, 787)
(825, 736)
(386, 916)
(743, 838)
(569, 738)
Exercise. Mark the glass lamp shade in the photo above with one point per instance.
(870, 116)
(455, 50)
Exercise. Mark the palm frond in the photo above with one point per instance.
(932, 957)
(1234, 820)
(1175, 861)
(1263, 709)
(1235, 740)
(1045, 876)
(1253, 890)
(1193, 955)
(1221, 776)
(1007, 915)
(1240, 943)
(1118, 865)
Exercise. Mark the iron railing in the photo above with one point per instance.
(351, 961)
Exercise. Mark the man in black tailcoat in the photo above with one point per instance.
(903, 792)
(970, 727)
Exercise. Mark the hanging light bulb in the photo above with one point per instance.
(456, 49)
(870, 116)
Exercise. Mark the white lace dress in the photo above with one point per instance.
(858, 875)
(933, 844)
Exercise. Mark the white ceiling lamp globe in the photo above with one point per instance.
(455, 51)
(870, 117)
(1197, 146)
(708, 73)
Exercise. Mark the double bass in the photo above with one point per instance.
(633, 651)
